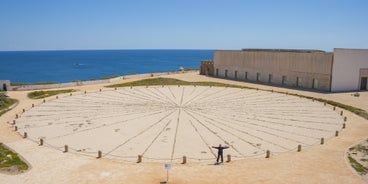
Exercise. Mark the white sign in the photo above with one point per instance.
(167, 166)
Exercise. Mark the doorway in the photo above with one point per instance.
(5, 88)
(363, 83)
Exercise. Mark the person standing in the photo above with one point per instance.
(220, 152)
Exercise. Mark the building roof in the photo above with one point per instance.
(284, 50)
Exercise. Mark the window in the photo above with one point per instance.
(258, 76)
(236, 75)
(298, 82)
(315, 84)
(225, 73)
(270, 78)
(283, 82)
(246, 76)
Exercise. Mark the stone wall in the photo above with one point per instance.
(206, 68)
(293, 68)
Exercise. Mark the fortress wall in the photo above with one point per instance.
(307, 66)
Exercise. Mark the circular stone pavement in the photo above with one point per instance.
(165, 123)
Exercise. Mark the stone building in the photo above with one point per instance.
(342, 70)
(4, 85)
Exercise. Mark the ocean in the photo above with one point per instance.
(67, 66)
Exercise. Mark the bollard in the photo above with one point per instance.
(15, 128)
(139, 159)
(322, 140)
(57, 97)
(312, 99)
(85, 92)
(25, 135)
(13, 122)
(66, 148)
(228, 158)
(99, 154)
(162, 85)
(179, 86)
(71, 94)
(100, 90)
(324, 104)
(343, 125)
(257, 89)
(337, 133)
(131, 87)
(32, 105)
(184, 160)
(116, 88)
(334, 108)
(345, 118)
(299, 148)
(268, 153)
(41, 142)
(16, 116)
(341, 113)
(287, 93)
(44, 100)
(24, 110)
(272, 91)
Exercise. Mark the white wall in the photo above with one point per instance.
(346, 67)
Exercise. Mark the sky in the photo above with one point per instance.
(182, 24)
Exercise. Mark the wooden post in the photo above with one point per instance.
(16, 116)
(99, 154)
(228, 158)
(299, 148)
(341, 113)
(57, 97)
(32, 105)
(66, 149)
(25, 135)
(24, 110)
(184, 160)
(343, 125)
(85, 92)
(322, 140)
(334, 108)
(13, 122)
(116, 88)
(337, 133)
(41, 142)
(15, 128)
(345, 118)
(71, 94)
(272, 91)
(139, 159)
(44, 100)
(324, 104)
(268, 154)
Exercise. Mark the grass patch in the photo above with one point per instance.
(5, 103)
(170, 81)
(44, 94)
(9, 158)
(37, 83)
(357, 166)
(109, 77)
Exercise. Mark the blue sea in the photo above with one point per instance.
(67, 66)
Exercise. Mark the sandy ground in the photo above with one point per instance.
(316, 164)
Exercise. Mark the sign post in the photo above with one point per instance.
(167, 167)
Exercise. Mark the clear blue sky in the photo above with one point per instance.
(182, 24)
